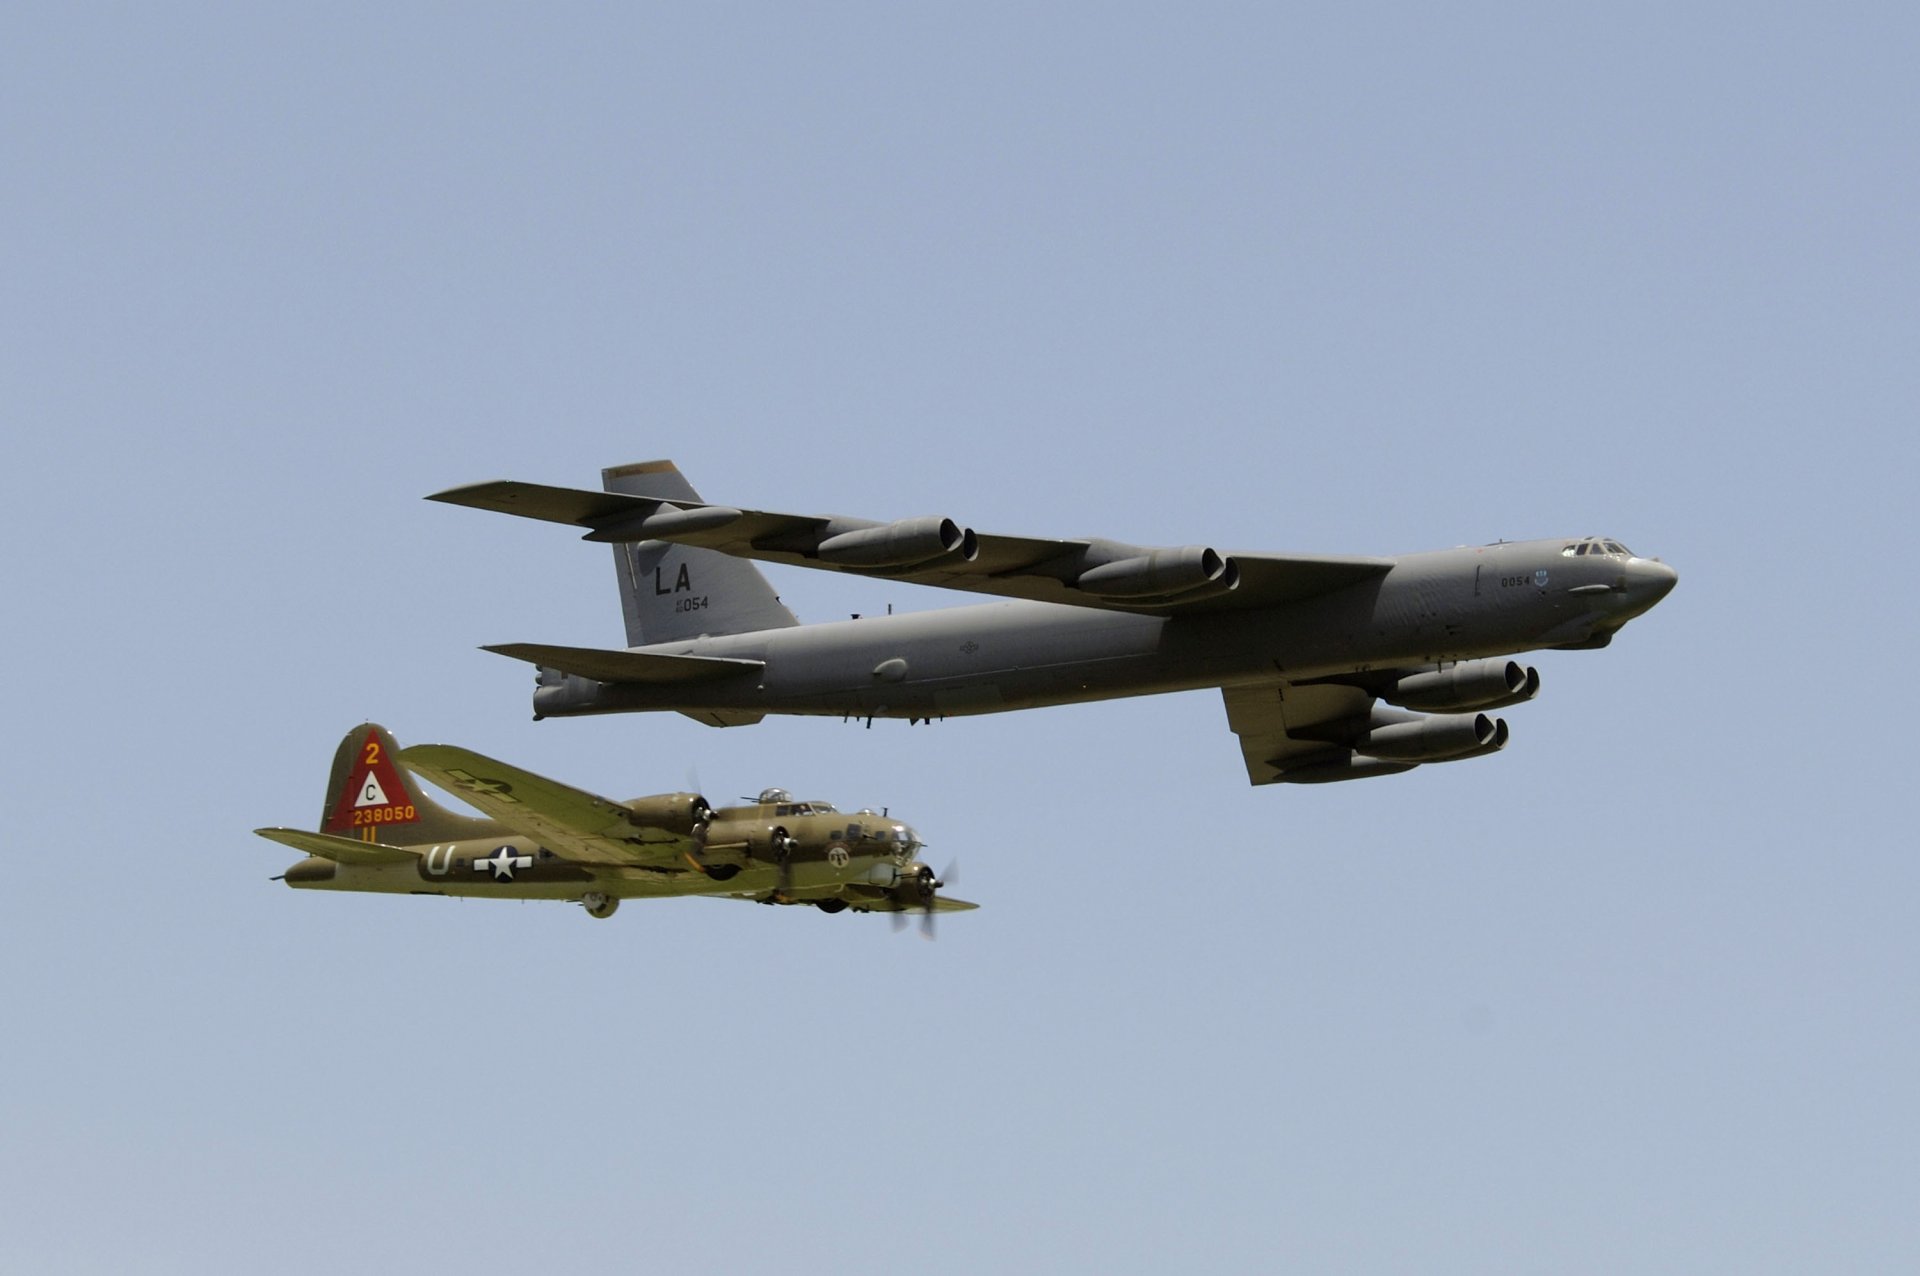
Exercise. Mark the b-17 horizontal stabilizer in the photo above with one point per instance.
(341, 850)
(627, 666)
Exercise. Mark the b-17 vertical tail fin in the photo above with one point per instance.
(372, 798)
(669, 592)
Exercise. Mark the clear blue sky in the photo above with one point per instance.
(1638, 994)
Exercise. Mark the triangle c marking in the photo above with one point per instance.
(371, 794)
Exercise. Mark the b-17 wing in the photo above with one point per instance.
(937, 551)
(944, 904)
(573, 823)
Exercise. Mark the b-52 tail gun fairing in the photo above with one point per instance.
(544, 840)
(1308, 650)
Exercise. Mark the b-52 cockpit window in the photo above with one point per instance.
(1595, 545)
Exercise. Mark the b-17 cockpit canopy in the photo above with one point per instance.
(807, 808)
(783, 800)
(1595, 545)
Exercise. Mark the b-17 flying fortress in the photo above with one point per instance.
(545, 840)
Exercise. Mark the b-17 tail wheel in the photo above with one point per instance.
(599, 903)
(829, 905)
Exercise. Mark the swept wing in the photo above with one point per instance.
(1276, 723)
(1091, 572)
(1322, 731)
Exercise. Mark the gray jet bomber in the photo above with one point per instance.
(1308, 650)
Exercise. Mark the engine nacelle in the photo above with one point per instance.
(907, 543)
(1164, 573)
(917, 886)
(771, 842)
(1440, 738)
(663, 520)
(1395, 742)
(675, 812)
(1471, 684)
(1353, 768)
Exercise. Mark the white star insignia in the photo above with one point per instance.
(503, 862)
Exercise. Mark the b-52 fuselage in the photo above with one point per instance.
(1302, 646)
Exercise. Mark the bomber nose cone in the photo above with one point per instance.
(1663, 579)
(1649, 581)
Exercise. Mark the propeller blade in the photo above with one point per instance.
(930, 893)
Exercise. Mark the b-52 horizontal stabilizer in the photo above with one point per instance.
(627, 666)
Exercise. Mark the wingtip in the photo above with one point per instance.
(485, 495)
(638, 467)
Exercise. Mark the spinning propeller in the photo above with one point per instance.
(921, 888)
(784, 846)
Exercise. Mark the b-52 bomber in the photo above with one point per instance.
(1308, 650)
(545, 840)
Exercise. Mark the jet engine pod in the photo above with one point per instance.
(675, 812)
(907, 543)
(1470, 684)
(1434, 739)
(1164, 573)
(1334, 770)
(665, 520)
